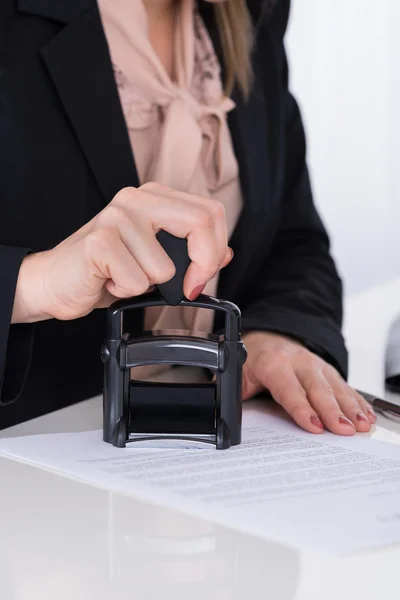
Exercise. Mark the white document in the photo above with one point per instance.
(322, 492)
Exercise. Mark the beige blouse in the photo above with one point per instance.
(177, 128)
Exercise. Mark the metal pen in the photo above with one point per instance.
(386, 408)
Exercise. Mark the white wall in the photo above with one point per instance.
(345, 72)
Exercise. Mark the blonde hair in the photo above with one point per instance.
(236, 35)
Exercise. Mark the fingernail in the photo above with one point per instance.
(372, 413)
(197, 291)
(346, 421)
(361, 417)
(315, 421)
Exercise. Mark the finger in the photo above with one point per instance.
(200, 224)
(228, 258)
(351, 403)
(112, 261)
(207, 239)
(106, 299)
(322, 398)
(216, 208)
(224, 254)
(366, 407)
(138, 237)
(280, 379)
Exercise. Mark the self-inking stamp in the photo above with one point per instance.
(202, 412)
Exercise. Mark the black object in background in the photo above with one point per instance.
(380, 405)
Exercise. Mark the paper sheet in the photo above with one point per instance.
(318, 492)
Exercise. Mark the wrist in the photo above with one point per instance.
(256, 341)
(256, 337)
(29, 300)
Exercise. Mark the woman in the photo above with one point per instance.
(123, 117)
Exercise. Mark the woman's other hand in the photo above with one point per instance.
(117, 255)
(309, 389)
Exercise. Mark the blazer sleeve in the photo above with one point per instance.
(299, 291)
(15, 340)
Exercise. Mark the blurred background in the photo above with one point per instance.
(344, 72)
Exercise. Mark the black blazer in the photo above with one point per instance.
(64, 154)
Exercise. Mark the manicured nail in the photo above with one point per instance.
(361, 417)
(345, 421)
(316, 422)
(197, 291)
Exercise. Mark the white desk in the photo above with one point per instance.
(66, 540)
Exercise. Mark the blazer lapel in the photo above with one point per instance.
(78, 62)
